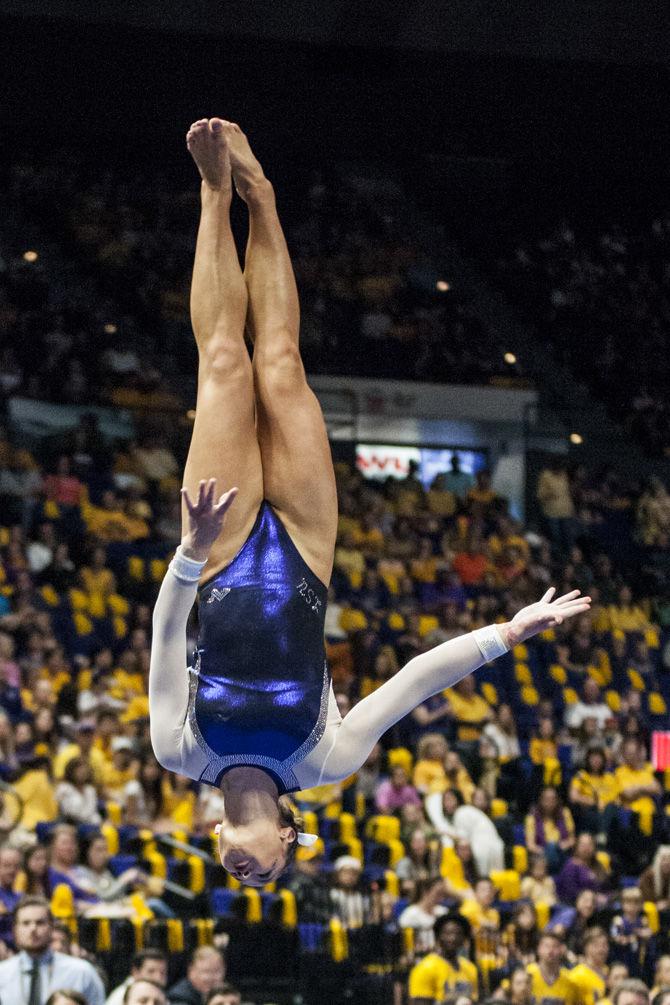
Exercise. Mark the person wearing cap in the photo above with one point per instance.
(123, 769)
(309, 887)
(347, 900)
(83, 746)
(445, 973)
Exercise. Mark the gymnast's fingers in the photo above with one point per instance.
(211, 489)
(185, 496)
(226, 500)
(548, 595)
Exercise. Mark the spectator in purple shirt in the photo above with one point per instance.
(582, 871)
(10, 865)
(396, 792)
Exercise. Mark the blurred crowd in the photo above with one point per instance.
(519, 810)
(603, 300)
(118, 275)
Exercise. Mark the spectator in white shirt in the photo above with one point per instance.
(590, 707)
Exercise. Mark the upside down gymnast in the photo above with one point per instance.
(255, 714)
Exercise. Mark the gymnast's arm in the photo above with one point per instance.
(168, 679)
(350, 742)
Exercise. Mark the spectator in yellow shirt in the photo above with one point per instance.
(590, 976)
(485, 923)
(429, 774)
(625, 615)
(637, 786)
(439, 500)
(445, 973)
(550, 981)
(83, 747)
(469, 709)
(123, 769)
(96, 578)
(37, 794)
(543, 746)
(591, 790)
(349, 559)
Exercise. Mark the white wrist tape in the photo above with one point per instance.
(186, 570)
(490, 642)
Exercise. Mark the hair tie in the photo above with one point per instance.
(307, 840)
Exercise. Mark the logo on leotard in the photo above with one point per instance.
(309, 596)
(218, 594)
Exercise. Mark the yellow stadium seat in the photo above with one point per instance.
(499, 808)
(549, 635)
(557, 673)
(391, 883)
(635, 679)
(338, 942)
(613, 700)
(408, 942)
(204, 931)
(120, 627)
(383, 828)
(118, 604)
(333, 810)
(396, 849)
(396, 621)
(543, 912)
(403, 757)
(78, 600)
(353, 620)
(51, 510)
(110, 832)
(157, 569)
(96, 605)
(604, 858)
(347, 827)
(529, 695)
(489, 693)
(657, 704)
(520, 652)
(520, 858)
(310, 822)
(522, 673)
(62, 901)
(596, 674)
(49, 595)
(289, 911)
(507, 882)
(355, 846)
(196, 870)
(136, 568)
(451, 868)
(570, 696)
(103, 940)
(427, 623)
(254, 906)
(82, 624)
(651, 637)
(651, 911)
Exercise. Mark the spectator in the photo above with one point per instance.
(36, 967)
(549, 979)
(661, 974)
(76, 795)
(421, 914)
(485, 923)
(582, 871)
(10, 865)
(33, 881)
(521, 936)
(635, 779)
(517, 989)
(226, 994)
(418, 865)
(539, 886)
(456, 480)
(396, 792)
(148, 964)
(452, 820)
(206, 970)
(555, 497)
(590, 976)
(470, 711)
(446, 972)
(144, 992)
(550, 829)
(348, 901)
(429, 774)
(309, 886)
(655, 882)
(66, 997)
(591, 706)
(632, 938)
(617, 974)
(592, 789)
(631, 992)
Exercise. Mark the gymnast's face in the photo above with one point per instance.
(255, 853)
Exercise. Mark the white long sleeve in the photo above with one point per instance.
(171, 737)
(345, 746)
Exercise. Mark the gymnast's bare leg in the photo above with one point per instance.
(298, 478)
(224, 444)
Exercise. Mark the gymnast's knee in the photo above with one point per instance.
(278, 366)
(221, 358)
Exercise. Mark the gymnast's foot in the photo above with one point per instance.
(208, 145)
(250, 181)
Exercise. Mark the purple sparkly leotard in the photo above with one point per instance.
(259, 681)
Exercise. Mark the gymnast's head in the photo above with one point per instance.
(258, 845)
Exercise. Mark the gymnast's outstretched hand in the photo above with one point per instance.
(206, 517)
(546, 613)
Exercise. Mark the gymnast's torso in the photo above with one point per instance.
(259, 684)
(258, 691)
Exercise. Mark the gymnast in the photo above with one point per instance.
(255, 714)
